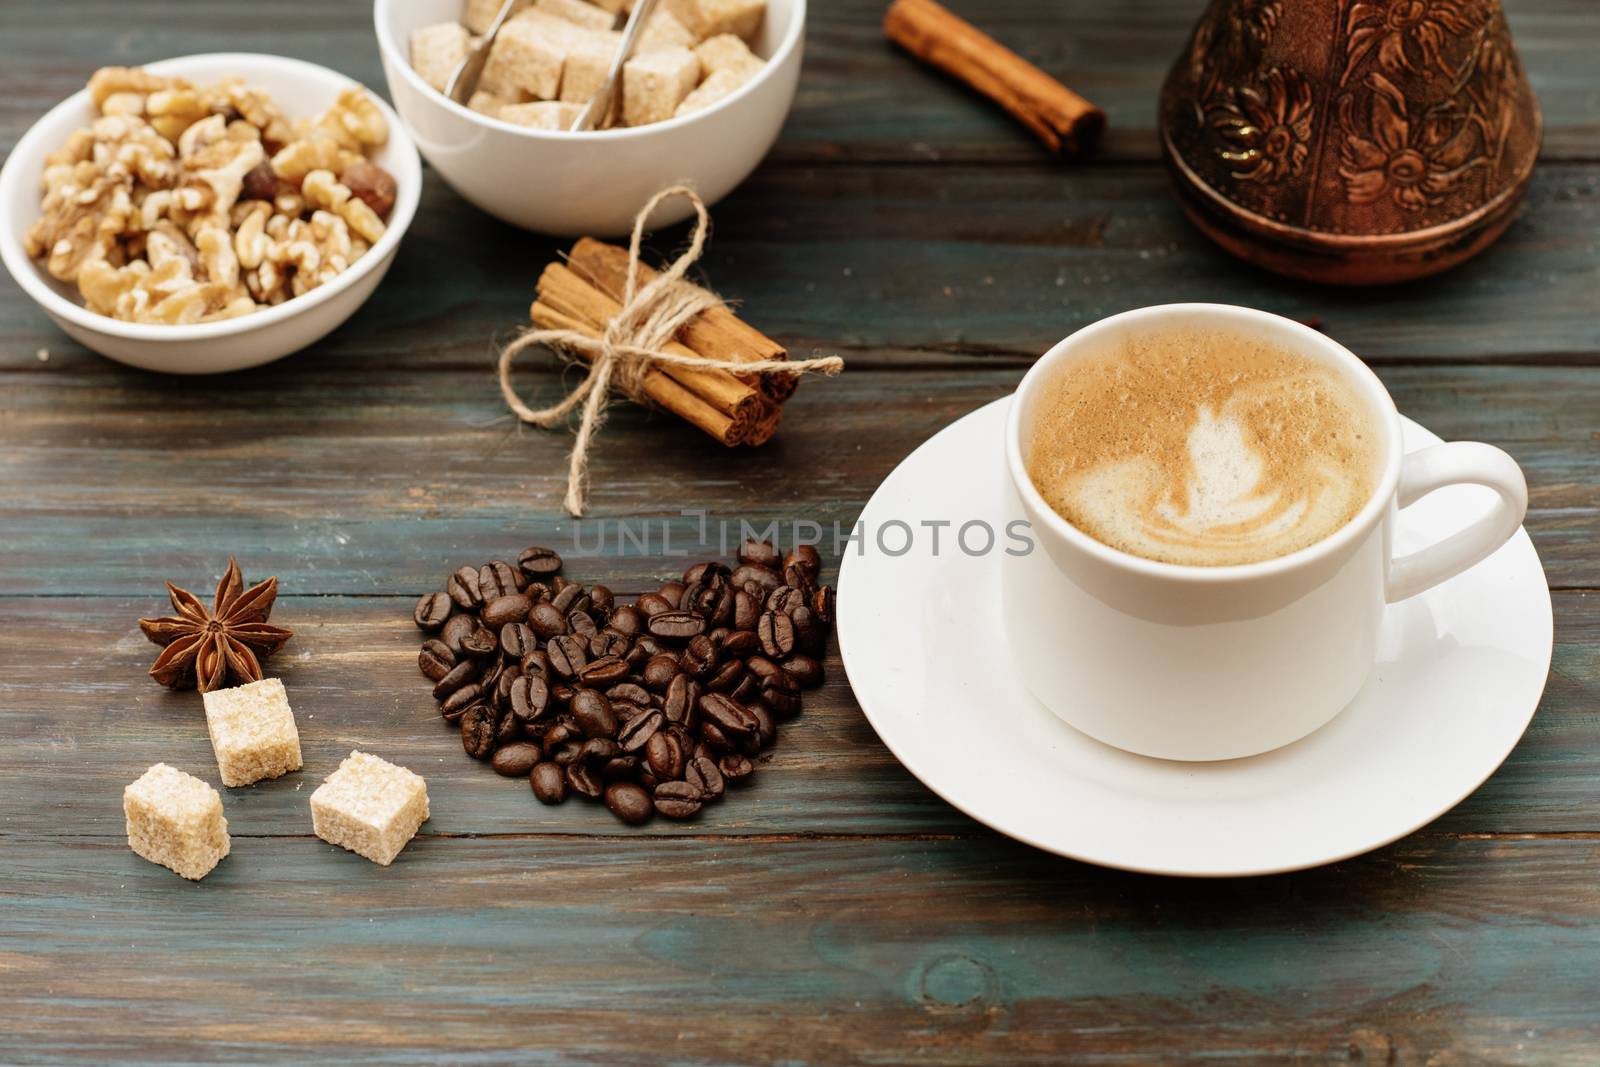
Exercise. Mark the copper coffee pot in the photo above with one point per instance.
(1350, 141)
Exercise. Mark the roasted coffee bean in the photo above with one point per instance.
(567, 752)
(539, 562)
(784, 702)
(502, 686)
(454, 704)
(726, 678)
(477, 731)
(805, 670)
(746, 610)
(748, 689)
(762, 667)
(507, 727)
(665, 755)
(678, 706)
(627, 620)
(626, 712)
(696, 571)
(432, 611)
(653, 604)
(672, 593)
(761, 553)
(536, 591)
(795, 577)
(549, 782)
(659, 671)
(699, 658)
(734, 767)
(582, 623)
(435, 659)
(536, 664)
(599, 750)
(704, 775)
(731, 717)
(824, 604)
(806, 558)
(480, 643)
(456, 677)
(678, 800)
(649, 645)
(742, 643)
(647, 781)
(560, 732)
(608, 643)
(638, 731)
(567, 655)
(629, 802)
(675, 625)
(455, 628)
(809, 633)
(784, 599)
(547, 620)
(765, 577)
(603, 672)
(517, 639)
(566, 597)
(529, 698)
(594, 714)
(584, 780)
(629, 692)
(463, 589)
(620, 769)
(561, 695)
(766, 729)
(777, 634)
(503, 609)
(495, 580)
(714, 739)
(516, 759)
(601, 601)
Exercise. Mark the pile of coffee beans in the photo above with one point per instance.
(651, 707)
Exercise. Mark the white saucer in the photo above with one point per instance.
(1460, 671)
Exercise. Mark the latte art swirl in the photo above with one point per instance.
(1204, 449)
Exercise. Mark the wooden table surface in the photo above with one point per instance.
(838, 912)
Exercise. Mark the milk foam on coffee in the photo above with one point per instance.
(1202, 447)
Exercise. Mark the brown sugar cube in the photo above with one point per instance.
(176, 820)
(587, 66)
(370, 807)
(654, 84)
(584, 15)
(720, 85)
(707, 18)
(252, 732)
(487, 103)
(662, 30)
(527, 56)
(726, 52)
(437, 50)
(541, 114)
(480, 14)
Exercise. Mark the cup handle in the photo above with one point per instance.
(1457, 463)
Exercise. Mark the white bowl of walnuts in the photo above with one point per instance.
(207, 213)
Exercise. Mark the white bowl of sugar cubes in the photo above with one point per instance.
(701, 102)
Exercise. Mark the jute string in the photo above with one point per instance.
(632, 344)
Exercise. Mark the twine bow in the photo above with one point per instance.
(631, 344)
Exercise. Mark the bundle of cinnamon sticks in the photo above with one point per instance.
(585, 293)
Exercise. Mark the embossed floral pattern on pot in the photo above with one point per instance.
(1266, 127)
(1415, 162)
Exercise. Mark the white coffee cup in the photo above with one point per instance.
(1210, 663)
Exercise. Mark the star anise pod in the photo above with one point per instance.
(222, 646)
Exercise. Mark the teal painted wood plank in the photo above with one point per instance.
(860, 99)
(75, 702)
(347, 476)
(896, 263)
(797, 952)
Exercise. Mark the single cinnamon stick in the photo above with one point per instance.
(765, 425)
(1062, 119)
(567, 292)
(660, 389)
(716, 333)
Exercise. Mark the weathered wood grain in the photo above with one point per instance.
(345, 476)
(799, 952)
(76, 707)
(895, 263)
(860, 99)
